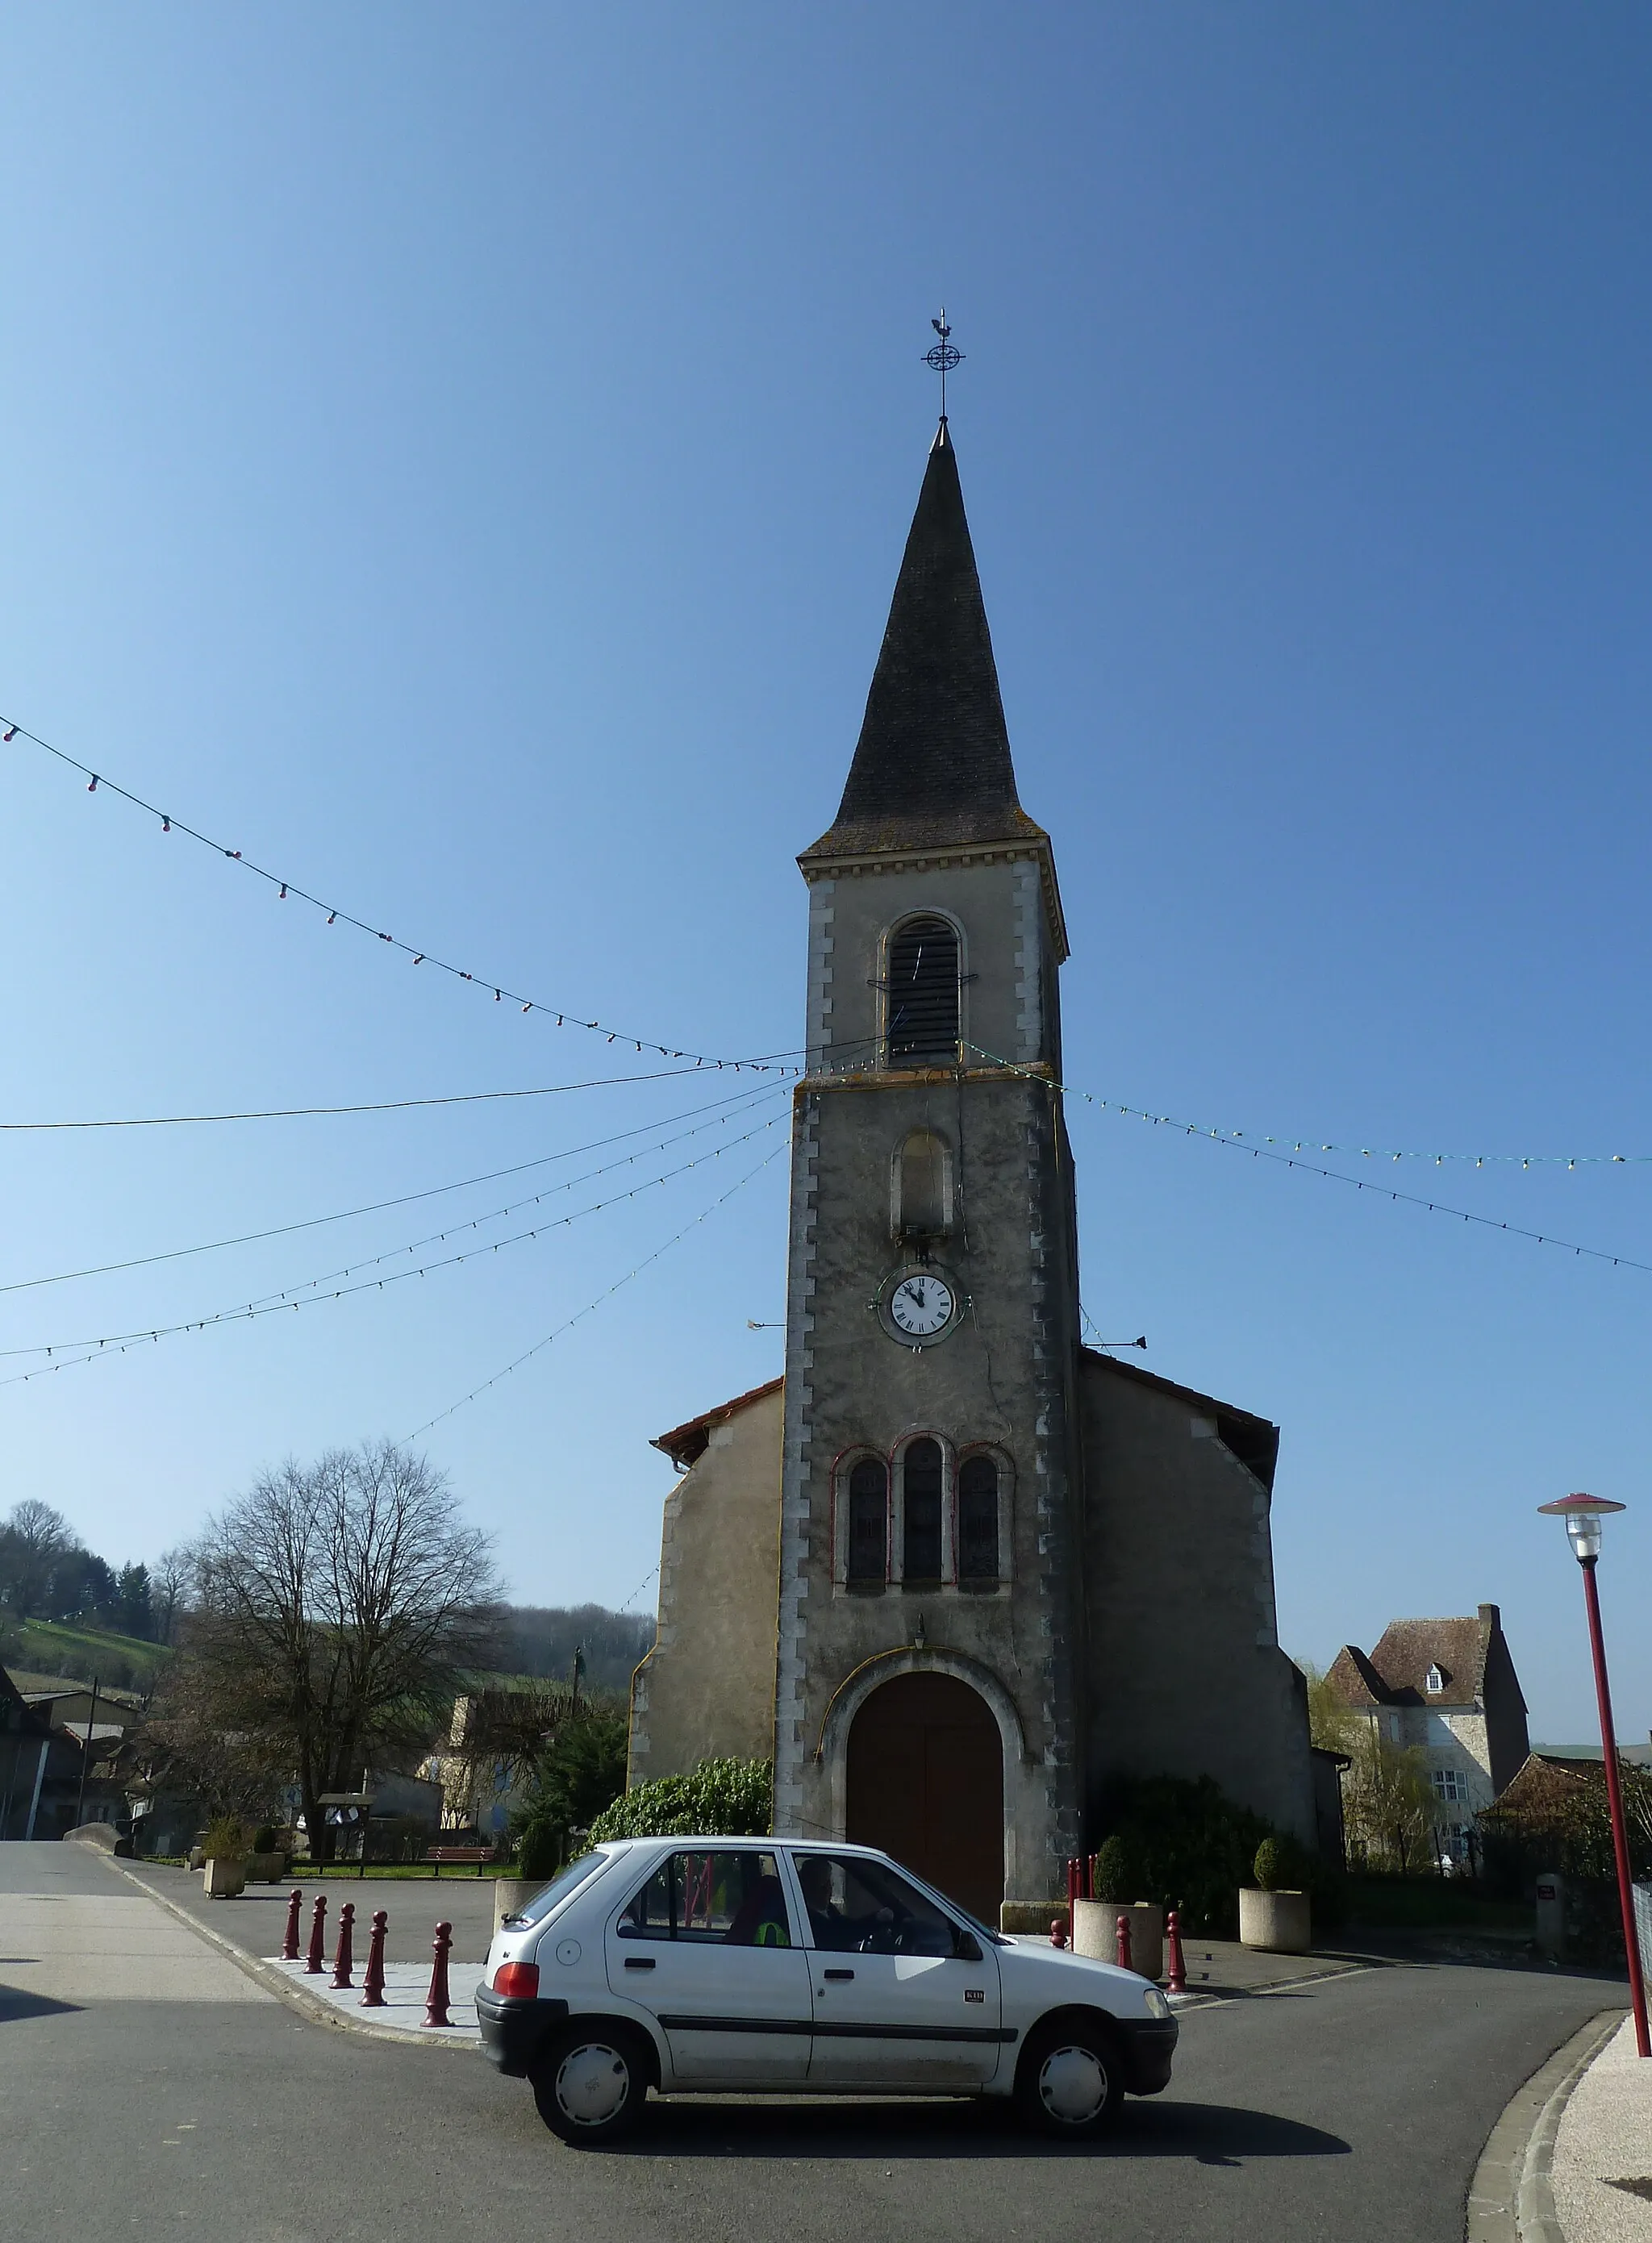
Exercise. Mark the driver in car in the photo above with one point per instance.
(827, 1923)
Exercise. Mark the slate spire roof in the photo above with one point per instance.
(931, 767)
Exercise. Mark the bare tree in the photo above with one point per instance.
(169, 1583)
(335, 1609)
(34, 1541)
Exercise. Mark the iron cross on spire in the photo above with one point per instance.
(942, 355)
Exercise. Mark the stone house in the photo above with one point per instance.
(1449, 1688)
(956, 1572)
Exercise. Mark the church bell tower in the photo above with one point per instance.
(930, 1649)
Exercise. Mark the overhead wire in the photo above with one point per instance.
(313, 1222)
(528, 1354)
(12, 729)
(373, 1106)
(98, 1349)
(1263, 1151)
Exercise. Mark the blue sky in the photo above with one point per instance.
(461, 458)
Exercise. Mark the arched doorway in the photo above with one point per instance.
(926, 1784)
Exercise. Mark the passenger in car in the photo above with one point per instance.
(760, 1919)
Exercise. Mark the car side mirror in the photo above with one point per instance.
(968, 1948)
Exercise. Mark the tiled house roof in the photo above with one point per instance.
(685, 1444)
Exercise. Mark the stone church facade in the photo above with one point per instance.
(957, 1572)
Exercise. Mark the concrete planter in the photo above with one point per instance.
(266, 1868)
(1096, 1932)
(1277, 1922)
(511, 1893)
(223, 1879)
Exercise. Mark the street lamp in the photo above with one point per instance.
(1582, 1514)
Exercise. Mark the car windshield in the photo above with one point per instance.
(565, 1881)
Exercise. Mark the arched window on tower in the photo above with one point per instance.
(922, 992)
(922, 1187)
(868, 1551)
(920, 1495)
(978, 1520)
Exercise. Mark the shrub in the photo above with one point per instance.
(225, 1840)
(539, 1852)
(266, 1838)
(1118, 1873)
(1193, 1847)
(720, 1798)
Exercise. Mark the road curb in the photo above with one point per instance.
(1510, 2199)
(274, 1982)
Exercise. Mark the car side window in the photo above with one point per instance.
(866, 1908)
(712, 1899)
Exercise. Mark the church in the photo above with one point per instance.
(955, 1572)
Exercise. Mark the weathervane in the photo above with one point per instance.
(942, 355)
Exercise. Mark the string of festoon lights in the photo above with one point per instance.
(739, 1102)
(11, 731)
(591, 1307)
(1270, 1148)
(72, 1354)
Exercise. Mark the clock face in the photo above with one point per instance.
(920, 1305)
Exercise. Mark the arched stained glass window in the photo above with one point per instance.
(920, 1490)
(868, 1553)
(978, 1519)
(922, 994)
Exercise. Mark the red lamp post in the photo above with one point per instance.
(1582, 1514)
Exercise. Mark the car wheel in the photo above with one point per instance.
(1068, 2083)
(591, 2082)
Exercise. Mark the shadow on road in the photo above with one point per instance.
(15, 2004)
(1205, 2133)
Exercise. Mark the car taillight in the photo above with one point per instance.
(521, 1978)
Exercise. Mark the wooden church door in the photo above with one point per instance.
(926, 1784)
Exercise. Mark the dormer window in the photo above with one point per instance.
(1434, 1681)
(922, 993)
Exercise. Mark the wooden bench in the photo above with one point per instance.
(466, 1856)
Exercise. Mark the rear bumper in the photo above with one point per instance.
(514, 2029)
(1149, 2045)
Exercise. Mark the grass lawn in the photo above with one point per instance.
(52, 1647)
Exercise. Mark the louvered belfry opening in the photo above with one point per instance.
(868, 1553)
(923, 994)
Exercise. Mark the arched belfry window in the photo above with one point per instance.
(922, 1186)
(867, 1555)
(922, 1478)
(922, 993)
(978, 1519)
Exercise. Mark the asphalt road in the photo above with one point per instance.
(1355, 2109)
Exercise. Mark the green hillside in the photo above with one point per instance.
(50, 1647)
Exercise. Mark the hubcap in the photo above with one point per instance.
(592, 2082)
(1072, 2084)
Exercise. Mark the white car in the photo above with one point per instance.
(750, 1966)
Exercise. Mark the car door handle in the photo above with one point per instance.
(639, 1962)
(838, 1974)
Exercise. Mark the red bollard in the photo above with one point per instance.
(290, 1945)
(314, 1966)
(372, 1985)
(1175, 1983)
(1091, 1881)
(343, 1959)
(436, 2004)
(1122, 1940)
(1075, 1880)
(1057, 1933)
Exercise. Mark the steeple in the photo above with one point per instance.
(932, 768)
